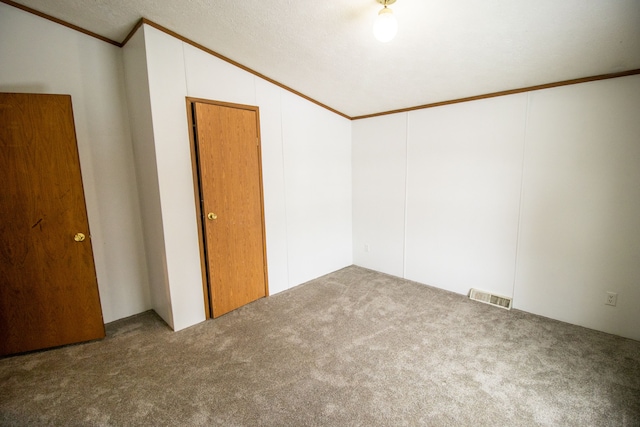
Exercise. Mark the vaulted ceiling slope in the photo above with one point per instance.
(444, 50)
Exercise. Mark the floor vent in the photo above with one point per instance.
(491, 299)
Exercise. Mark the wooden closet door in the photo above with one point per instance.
(48, 287)
(231, 192)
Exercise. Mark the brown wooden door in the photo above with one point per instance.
(48, 287)
(228, 151)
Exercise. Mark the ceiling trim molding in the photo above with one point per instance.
(505, 92)
(159, 27)
(173, 34)
(230, 61)
(61, 22)
(132, 32)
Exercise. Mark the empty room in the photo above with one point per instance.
(338, 213)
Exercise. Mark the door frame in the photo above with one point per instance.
(195, 169)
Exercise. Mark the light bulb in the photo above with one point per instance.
(385, 26)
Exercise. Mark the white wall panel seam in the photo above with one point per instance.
(521, 201)
(186, 74)
(406, 189)
(284, 181)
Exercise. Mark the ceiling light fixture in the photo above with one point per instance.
(385, 26)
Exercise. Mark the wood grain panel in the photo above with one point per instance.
(231, 188)
(48, 287)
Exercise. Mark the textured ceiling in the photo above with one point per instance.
(444, 50)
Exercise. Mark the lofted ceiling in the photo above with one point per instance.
(444, 50)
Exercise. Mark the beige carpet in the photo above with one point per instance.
(353, 348)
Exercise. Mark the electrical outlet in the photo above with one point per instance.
(367, 248)
(612, 298)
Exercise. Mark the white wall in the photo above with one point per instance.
(580, 221)
(379, 192)
(139, 102)
(39, 56)
(268, 97)
(463, 194)
(535, 196)
(167, 89)
(306, 168)
(317, 171)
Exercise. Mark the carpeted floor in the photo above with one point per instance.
(353, 348)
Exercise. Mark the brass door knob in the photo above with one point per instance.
(79, 237)
(212, 216)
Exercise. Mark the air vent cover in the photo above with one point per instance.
(491, 299)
